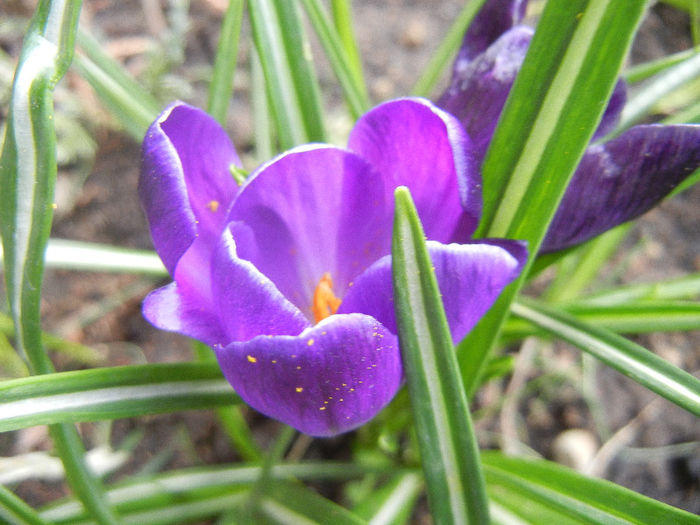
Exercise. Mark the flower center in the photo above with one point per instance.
(325, 302)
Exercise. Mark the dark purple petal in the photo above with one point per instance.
(185, 185)
(248, 303)
(478, 91)
(612, 113)
(313, 210)
(411, 142)
(621, 179)
(494, 18)
(173, 309)
(470, 278)
(332, 378)
(480, 86)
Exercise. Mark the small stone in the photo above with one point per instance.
(414, 34)
(382, 88)
(575, 448)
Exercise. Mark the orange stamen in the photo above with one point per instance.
(325, 302)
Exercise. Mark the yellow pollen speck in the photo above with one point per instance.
(352, 390)
(213, 206)
(299, 389)
(344, 384)
(251, 359)
(325, 402)
(310, 342)
(274, 361)
(298, 368)
(322, 408)
(340, 400)
(324, 303)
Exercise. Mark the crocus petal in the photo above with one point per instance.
(413, 143)
(493, 19)
(248, 303)
(478, 91)
(313, 210)
(332, 378)
(613, 111)
(172, 308)
(185, 185)
(621, 179)
(470, 278)
(480, 86)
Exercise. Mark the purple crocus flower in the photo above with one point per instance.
(288, 277)
(616, 181)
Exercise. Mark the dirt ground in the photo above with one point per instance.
(657, 453)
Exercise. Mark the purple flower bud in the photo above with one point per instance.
(616, 181)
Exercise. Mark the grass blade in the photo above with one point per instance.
(680, 288)
(355, 94)
(551, 113)
(14, 511)
(128, 100)
(290, 503)
(448, 49)
(231, 418)
(297, 49)
(556, 102)
(28, 176)
(173, 486)
(221, 86)
(263, 132)
(448, 446)
(576, 497)
(393, 502)
(626, 357)
(342, 20)
(629, 318)
(111, 393)
(291, 83)
(579, 268)
(639, 318)
(671, 79)
(649, 69)
(77, 255)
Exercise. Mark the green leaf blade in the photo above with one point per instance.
(626, 357)
(449, 450)
(27, 176)
(128, 101)
(14, 511)
(551, 113)
(221, 86)
(348, 74)
(575, 496)
(287, 502)
(544, 130)
(447, 49)
(111, 393)
(291, 83)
